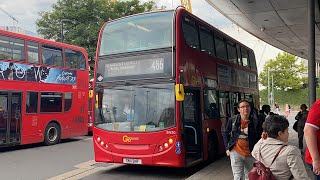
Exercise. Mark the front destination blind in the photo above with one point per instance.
(137, 67)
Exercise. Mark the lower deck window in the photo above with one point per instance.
(51, 102)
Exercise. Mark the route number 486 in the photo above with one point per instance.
(157, 65)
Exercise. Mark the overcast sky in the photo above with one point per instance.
(26, 12)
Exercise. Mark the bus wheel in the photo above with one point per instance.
(212, 148)
(52, 134)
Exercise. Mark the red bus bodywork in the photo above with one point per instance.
(66, 87)
(169, 147)
(91, 107)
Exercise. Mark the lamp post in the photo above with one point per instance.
(62, 21)
(270, 92)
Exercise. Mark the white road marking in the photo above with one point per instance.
(83, 170)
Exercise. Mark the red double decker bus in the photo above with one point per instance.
(166, 82)
(44, 90)
(90, 107)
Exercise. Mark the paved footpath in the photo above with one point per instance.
(221, 169)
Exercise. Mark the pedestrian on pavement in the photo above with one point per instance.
(301, 118)
(312, 135)
(289, 161)
(239, 137)
(287, 110)
(263, 113)
(277, 108)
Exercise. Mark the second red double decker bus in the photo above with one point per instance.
(166, 82)
(44, 90)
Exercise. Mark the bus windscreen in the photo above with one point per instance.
(136, 33)
(136, 108)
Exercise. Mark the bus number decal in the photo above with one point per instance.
(157, 64)
(171, 132)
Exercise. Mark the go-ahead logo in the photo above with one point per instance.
(126, 138)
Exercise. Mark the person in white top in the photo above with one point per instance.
(289, 162)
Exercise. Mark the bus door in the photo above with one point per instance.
(192, 126)
(10, 117)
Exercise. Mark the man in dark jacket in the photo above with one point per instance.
(240, 136)
(301, 117)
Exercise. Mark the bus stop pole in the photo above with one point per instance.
(312, 61)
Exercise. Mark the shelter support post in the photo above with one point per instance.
(312, 60)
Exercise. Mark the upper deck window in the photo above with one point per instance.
(206, 39)
(239, 54)
(75, 59)
(252, 60)
(244, 55)
(221, 49)
(232, 52)
(33, 52)
(11, 48)
(190, 32)
(52, 56)
(137, 33)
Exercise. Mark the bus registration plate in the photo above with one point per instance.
(132, 161)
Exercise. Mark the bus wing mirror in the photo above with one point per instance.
(179, 90)
(90, 94)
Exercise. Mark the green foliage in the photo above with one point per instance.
(84, 18)
(286, 72)
(293, 97)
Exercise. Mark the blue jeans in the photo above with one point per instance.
(241, 166)
(315, 177)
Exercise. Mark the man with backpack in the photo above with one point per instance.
(240, 136)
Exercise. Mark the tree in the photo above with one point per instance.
(83, 20)
(285, 71)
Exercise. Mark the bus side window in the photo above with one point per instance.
(33, 52)
(51, 102)
(75, 59)
(224, 104)
(244, 55)
(211, 108)
(11, 48)
(82, 61)
(190, 32)
(221, 49)
(239, 54)
(32, 102)
(207, 41)
(252, 59)
(51, 55)
(67, 101)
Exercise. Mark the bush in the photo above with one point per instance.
(294, 97)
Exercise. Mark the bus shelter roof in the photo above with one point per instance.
(281, 23)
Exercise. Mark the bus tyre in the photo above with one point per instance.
(212, 148)
(52, 134)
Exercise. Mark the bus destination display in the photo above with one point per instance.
(143, 66)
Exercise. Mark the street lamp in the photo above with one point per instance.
(270, 94)
(62, 21)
